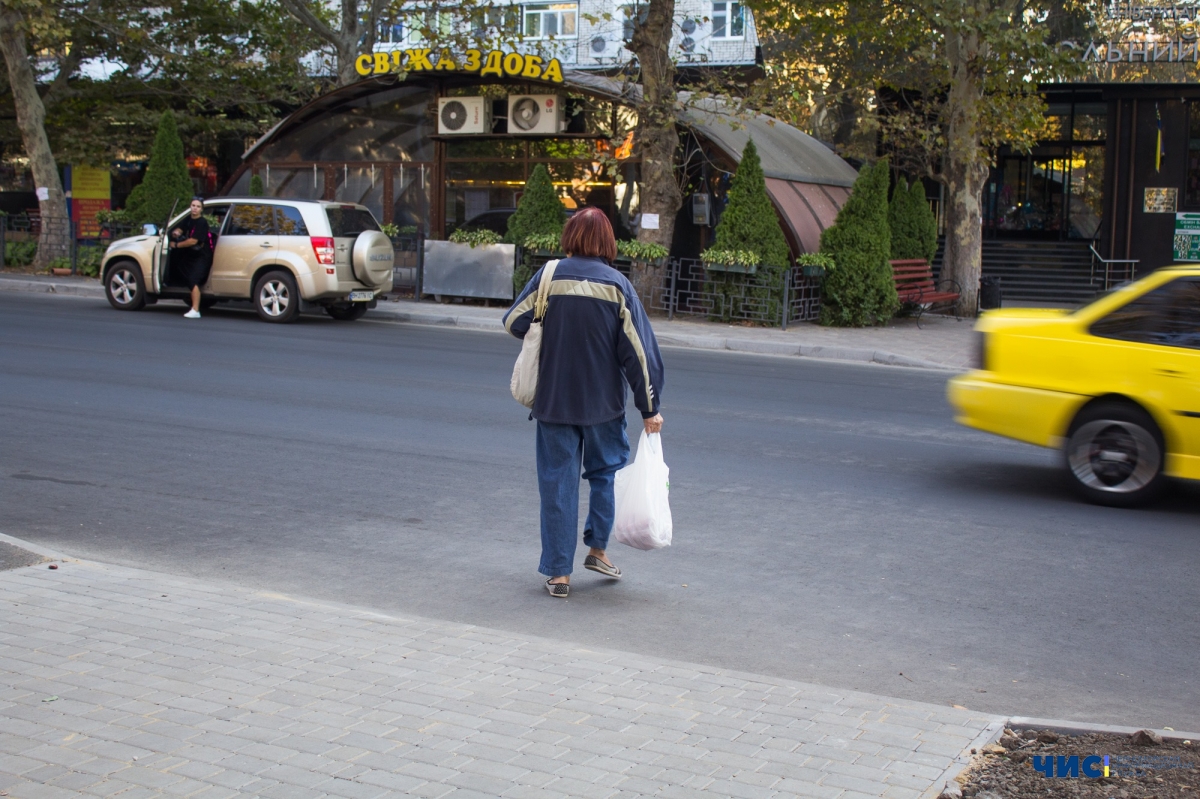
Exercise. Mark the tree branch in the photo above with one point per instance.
(303, 12)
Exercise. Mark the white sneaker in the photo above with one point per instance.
(192, 314)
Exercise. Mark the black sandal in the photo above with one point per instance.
(560, 590)
(595, 564)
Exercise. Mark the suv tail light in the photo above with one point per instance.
(323, 249)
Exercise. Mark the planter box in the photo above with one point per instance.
(732, 268)
(812, 271)
(460, 270)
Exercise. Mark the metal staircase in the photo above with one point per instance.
(1038, 271)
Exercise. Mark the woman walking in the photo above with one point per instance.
(192, 257)
(596, 340)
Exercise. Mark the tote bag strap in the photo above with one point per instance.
(542, 303)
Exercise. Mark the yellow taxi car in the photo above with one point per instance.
(1115, 385)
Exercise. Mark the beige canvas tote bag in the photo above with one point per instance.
(525, 370)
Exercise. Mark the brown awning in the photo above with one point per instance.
(806, 209)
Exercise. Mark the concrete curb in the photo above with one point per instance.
(671, 339)
(438, 317)
(1081, 728)
(71, 288)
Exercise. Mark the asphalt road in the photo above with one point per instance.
(832, 524)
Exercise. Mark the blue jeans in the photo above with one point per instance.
(601, 449)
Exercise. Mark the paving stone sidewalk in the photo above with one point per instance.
(120, 682)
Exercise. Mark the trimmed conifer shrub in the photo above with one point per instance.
(749, 224)
(256, 186)
(539, 213)
(859, 291)
(749, 221)
(539, 210)
(166, 178)
(913, 225)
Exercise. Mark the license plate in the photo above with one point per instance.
(362, 296)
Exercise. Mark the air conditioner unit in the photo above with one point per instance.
(464, 115)
(530, 114)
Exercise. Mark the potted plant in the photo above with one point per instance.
(644, 252)
(544, 244)
(815, 264)
(716, 259)
(475, 238)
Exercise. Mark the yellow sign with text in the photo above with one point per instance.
(495, 63)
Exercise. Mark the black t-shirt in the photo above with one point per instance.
(194, 229)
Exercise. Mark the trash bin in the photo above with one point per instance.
(989, 293)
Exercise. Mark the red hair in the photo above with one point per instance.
(589, 233)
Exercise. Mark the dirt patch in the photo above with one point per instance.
(16, 558)
(1138, 767)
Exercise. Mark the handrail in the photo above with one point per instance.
(1108, 262)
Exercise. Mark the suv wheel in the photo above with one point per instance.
(347, 313)
(124, 287)
(1115, 455)
(276, 298)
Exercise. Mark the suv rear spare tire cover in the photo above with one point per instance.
(373, 257)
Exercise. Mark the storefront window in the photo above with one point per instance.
(294, 184)
(485, 148)
(361, 185)
(1057, 190)
(1087, 191)
(411, 188)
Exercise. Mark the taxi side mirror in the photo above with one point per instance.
(149, 230)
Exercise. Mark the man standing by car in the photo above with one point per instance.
(596, 339)
(191, 255)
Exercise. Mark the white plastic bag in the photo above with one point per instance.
(643, 518)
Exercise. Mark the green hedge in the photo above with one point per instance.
(860, 291)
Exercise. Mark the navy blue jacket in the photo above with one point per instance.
(595, 339)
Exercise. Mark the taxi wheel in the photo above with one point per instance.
(276, 298)
(347, 313)
(124, 287)
(1115, 455)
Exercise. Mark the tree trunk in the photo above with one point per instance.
(54, 241)
(657, 138)
(353, 38)
(965, 172)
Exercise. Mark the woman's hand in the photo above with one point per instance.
(654, 423)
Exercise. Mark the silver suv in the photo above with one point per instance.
(284, 256)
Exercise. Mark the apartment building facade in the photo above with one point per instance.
(583, 34)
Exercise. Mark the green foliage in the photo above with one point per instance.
(543, 242)
(229, 69)
(646, 251)
(860, 290)
(748, 222)
(816, 263)
(475, 238)
(913, 225)
(539, 211)
(256, 186)
(19, 253)
(166, 179)
(749, 230)
(747, 259)
(87, 261)
(405, 230)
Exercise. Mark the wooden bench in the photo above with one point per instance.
(917, 289)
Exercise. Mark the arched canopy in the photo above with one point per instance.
(376, 142)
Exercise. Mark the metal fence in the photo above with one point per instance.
(80, 244)
(779, 299)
